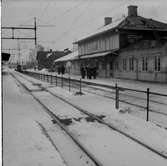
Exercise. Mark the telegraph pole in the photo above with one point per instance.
(35, 36)
(35, 31)
(18, 44)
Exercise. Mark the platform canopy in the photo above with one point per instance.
(95, 55)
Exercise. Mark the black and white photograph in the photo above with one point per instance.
(84, 82)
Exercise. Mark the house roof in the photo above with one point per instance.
(47, 55)
(71, 56)
(130, 23)
(95, 55)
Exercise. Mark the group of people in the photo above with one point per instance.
(89, 72)
(61, 70)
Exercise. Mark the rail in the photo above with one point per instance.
(61, 125)
(54, 79)
(105, 123)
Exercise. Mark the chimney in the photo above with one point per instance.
(107, 20)
(132, 11)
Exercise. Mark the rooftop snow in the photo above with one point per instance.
(96, 55)
(70, 56)
(101, 30)
(137, 23)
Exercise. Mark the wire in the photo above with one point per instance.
(74, 22)
(25, 21)
(65, 12)
(44, 10)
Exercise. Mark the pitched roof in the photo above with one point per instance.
(133, 23)
(71, 56)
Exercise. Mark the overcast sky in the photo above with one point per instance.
(70, 19)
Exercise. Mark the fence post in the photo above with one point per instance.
(56, 80)
(62, 81)
(51, 78)
(69, 85)
(116, 96)
(148, 99)
(80, 87)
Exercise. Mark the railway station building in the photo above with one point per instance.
(131, 48)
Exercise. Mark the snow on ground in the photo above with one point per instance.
(111, 147)
(140, 85)
(146, 132)
(23, 141)
(105, 143)
(30, 137)
(157, 103)
(60, 108)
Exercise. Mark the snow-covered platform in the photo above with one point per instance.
(24, 136)
(133, 84)
(23, 140)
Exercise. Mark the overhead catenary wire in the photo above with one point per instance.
(74, 22)
(44, 10)
(66, 12)
(25, 21)
(71, 27)
(84, 23)
(69, 30)
(30, 17)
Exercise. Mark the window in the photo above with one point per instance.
(103, 65)
(144, 63)
(116, 66)
(131, 64)
(157, 63)
(105, 44)
(111, 65)
(124, 64)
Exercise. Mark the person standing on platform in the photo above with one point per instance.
(86, 70)
(62, 69)
(94, 72)
(59, 70)
(83, 72)
(89, 73)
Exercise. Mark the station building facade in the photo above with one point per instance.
(132, 48)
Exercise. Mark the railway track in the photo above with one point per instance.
(111, 95)
(95, 117)
(94, 161)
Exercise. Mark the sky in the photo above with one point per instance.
(68, 20)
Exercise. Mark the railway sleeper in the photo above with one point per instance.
(68, 121)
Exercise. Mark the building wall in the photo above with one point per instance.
(103, 43)
(152, 69)
(75, 67)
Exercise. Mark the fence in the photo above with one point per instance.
(64, 81)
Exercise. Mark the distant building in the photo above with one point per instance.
(132, 48)
(45, 59)
(70, 62)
